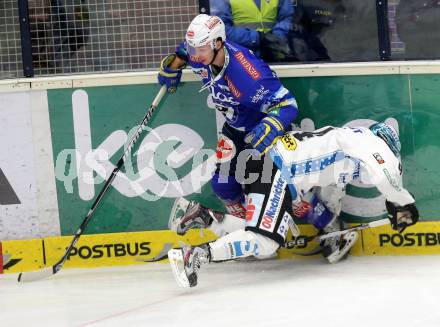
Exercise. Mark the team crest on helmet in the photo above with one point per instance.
(213, 21)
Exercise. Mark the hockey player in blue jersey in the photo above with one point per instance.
(257, 107)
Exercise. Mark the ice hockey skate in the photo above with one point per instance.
(186, 215)
(336, 248)
(186, 262)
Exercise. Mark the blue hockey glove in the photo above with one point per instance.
(167, 76)
(264, 135)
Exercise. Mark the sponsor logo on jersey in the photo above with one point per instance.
(357, 171)
(247, 65)
(301, 208)
(409, 239)
(258, 96)
(289, 142)
(232, 87)
(225, 149)
(284, 225)
(392, 181)
(253, 208)
(111, 250)
(237, 210)
(317, 164)
(378, 158)
(212, 22)
(273, 205)
(222, 97)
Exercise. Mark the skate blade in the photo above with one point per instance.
(162, 255)
(175, 256)
(350, 239)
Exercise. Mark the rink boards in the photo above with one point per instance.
(61, 137)
(60, 144)
(139, 247)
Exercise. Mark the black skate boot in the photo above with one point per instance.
(336, 248)
(186, 215)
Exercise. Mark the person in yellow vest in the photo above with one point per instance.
(262, 26)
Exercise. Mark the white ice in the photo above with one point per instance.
(362, 291)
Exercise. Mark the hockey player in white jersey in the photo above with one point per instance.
(327, 158)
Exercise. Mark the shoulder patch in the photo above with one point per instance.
(289, 142)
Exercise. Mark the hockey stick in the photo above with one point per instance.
(162, 255)
(293, 243)
(49, 271)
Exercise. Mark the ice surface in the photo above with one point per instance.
(361, 291)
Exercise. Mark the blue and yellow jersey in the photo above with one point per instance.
(246, 89)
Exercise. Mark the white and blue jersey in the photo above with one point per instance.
(246, 90)
(337, 156)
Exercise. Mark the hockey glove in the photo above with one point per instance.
(402, 217)
(265, 134)
(167, 76)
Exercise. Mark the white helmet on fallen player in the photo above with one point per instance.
(204, 30)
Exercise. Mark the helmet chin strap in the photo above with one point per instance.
(215, 53)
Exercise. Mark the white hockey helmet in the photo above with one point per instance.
(204, 30)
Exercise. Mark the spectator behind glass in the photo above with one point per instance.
(308, 23)
(40, 36)
(336, 30)
(418, 25)
(70, 28)
(260, 25)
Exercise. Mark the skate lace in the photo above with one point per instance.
(199, 257)
(192, 260)
(196, 262)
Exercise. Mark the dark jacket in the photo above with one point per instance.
(418, 26)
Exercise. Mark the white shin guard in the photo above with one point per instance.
(228, 225)
(240, 244)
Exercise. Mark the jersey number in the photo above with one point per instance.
(307, 135)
